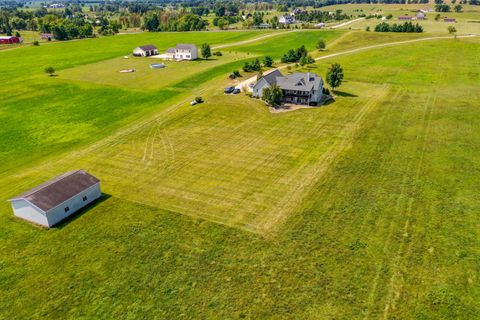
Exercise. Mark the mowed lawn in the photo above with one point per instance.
(362, 209)
(90, 98)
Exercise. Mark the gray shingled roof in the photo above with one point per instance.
(171, 50)
(148, 47)
(183, 46)
(50, 194)
(303, 81)
(271, 78)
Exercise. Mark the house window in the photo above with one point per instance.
(67, 209)
(188, 56)
(84, 198)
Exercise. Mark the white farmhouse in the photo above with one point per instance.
(186, 52)
(145, 51)
(55, 200)
(286, 19)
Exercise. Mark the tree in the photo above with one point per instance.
(310, 60)
(321, 44)
(272, 96)
(206, 51)
(458, 8)
(268, 61)
(50, 71)
(303, 61)
(152, 23)
(335, 76)
(451, 29)
(259, 75)
(442, 8)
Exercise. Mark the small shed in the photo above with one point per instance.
(55, 200)
(145, 51)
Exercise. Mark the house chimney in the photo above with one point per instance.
(308, 76)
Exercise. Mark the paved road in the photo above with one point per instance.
(248, 81)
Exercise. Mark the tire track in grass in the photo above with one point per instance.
(396, 281)
(391, 223)
(297, 194)
(391, 154)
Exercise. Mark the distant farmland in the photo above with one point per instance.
(362, 209)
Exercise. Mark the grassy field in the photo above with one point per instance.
(467, 20)
(362, 209)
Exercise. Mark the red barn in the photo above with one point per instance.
(9, 40)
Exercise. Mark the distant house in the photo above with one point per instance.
(46, 36)
(186, 52)
(9, 40)
(145, 51)
(298, 88)
(446, 19)
(298, 11)
(405, 18)
(286, 19)
(55, 200)
(262, 25)
(421, 16)
(56, 6)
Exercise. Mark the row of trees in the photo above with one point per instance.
(406, 27)
(188, 22)
(447, 8)
(294, 55)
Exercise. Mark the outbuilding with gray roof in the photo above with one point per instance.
(52, 201)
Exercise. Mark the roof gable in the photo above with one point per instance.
(271, 78)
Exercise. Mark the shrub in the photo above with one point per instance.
(217, 53)
(199, 99)
(36, 43)
(50, 71)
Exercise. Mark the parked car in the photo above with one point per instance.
(236, 91)
(229, 89)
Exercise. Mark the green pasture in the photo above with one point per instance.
(467, 20)
(365, 208)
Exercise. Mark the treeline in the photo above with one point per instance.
(71, 23)
(406, 27)
(320, 16)
(171, 21)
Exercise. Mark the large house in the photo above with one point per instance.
(181, 52)
(55, 200)
(298, 88)
(145, 51)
